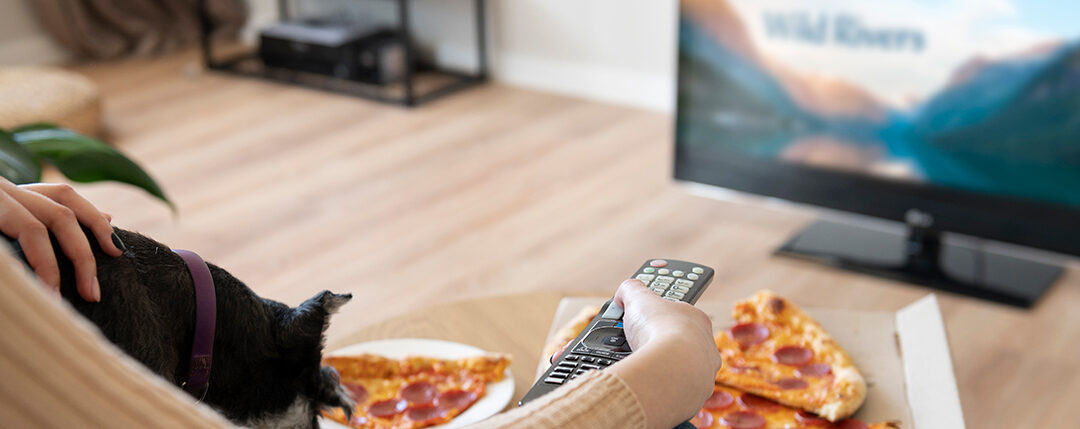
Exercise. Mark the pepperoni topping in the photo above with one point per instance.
(810, 419)
(743, 420)
(814, 370)
(754, 401)
(792, 383)
(457, 399)
(719, 400)
(777, 305)
(419, 392)
(702, 420)
(423, 413)
(748, 334)
(357, 392)
(851, 424)
(387, 407)
(793, 355)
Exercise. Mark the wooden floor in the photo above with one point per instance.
(494, 191)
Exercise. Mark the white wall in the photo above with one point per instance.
(22, 41)
(619, 51)
(616, 51)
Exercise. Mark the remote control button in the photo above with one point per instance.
(684, 283)
(677, 273)
(613, 312)
(649, 270)
(665, 279)
(614, 341)
(682, 289)
(588, 359)
(692, 276)
(573, 358)
(663, 271)
(588, 367)
(553, 380)
(604, 362)
(698, 270)
(577, 373)
(671, 298)
(658, 263)
(645, 278)
(657, 291)
(676, 294)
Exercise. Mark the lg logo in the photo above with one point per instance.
(918, 219)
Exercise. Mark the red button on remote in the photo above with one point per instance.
(658, 263)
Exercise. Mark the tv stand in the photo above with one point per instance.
(921, 255)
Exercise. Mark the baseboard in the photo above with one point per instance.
(32, 50)
(648, 91)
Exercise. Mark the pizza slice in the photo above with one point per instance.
(730, 408)
(778, 352)
(412, 392)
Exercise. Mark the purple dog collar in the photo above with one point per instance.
(202, 346)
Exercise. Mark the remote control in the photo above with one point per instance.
(602, 342)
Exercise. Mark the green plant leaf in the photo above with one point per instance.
(84, 159)
(17, 164)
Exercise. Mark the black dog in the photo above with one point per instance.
(266, 370)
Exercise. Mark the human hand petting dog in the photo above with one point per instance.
(675, 359)
(28, 213)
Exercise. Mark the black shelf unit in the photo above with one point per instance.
(406, 92)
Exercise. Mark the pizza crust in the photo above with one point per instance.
(850, 392)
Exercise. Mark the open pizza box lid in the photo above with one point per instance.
(904, 356)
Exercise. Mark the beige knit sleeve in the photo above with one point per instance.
(57, 371)
(596, 400)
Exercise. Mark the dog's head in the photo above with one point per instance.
(297, 365)
(319, 386)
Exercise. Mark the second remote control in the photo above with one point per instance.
(602, 342)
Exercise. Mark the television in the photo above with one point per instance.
(958, 121)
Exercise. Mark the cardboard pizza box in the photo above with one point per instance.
(904, 356)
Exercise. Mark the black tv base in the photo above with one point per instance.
(921, 256)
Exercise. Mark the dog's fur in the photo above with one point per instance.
(266, 369)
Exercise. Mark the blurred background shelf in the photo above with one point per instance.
(416, 80)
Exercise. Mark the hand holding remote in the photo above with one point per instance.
(675, 360)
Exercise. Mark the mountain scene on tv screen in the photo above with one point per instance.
(1006, 124)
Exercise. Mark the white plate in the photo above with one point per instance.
(495, 398)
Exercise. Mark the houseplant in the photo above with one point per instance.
(24, 150)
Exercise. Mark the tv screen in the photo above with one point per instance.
(955, 107)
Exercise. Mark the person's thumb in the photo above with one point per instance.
(629, 291)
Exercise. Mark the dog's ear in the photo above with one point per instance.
(308, 321)
(324, 302)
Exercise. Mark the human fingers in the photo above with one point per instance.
(17, 222)
(647, 317)
(87, 214)
(64, 225)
